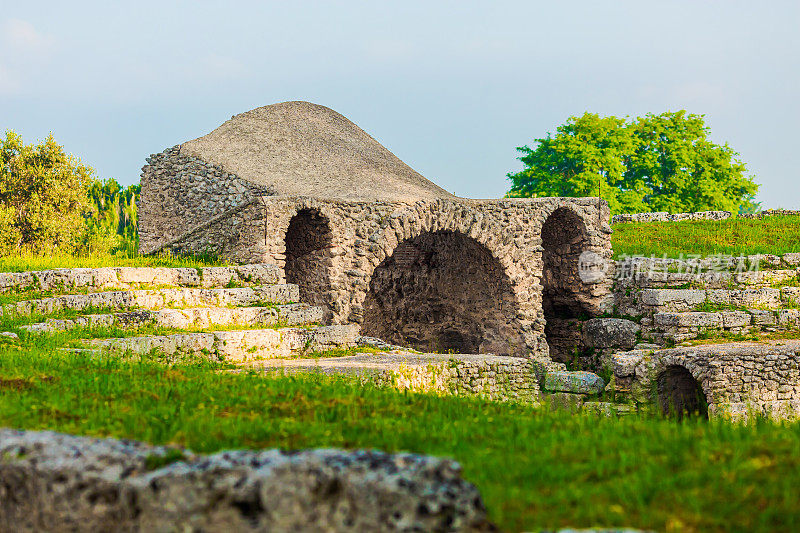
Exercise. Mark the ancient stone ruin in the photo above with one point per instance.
(372, 241)
(378, 255)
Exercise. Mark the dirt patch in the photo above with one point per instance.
(15, 384)
(20, 384)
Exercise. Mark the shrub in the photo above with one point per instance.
(43, 197)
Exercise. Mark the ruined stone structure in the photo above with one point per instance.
(371, 240)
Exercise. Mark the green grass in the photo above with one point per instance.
(535, 468)
(770, 235)
(27, 261)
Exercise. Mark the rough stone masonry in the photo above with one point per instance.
(374, 242)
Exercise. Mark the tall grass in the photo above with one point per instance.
(735, 236)
(535, 468)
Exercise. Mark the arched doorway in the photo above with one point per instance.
(308, 258)
(443, 292)
(564, 298)
(680, 394)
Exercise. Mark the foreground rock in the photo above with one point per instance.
(56, 482)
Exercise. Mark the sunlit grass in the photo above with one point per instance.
(735, 236)
(535, 468)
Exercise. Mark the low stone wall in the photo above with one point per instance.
(488, 376)
(663, 216)
(56, 482)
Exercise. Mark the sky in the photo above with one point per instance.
(450, 87)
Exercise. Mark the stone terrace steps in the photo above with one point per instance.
(196, 317)
(158, 299)
(64, 280)
(679, 327)
(651, 301)
(237, 346)
(712, 280)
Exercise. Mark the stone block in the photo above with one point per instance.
(735, 319)
(688, 320)
(574, 382)
(792, 259)
(610, 332)
(763, 318)
(672, 299)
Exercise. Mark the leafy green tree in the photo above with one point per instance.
(653, 163)
(114, 212)
(43, 197)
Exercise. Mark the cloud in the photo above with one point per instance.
(20, 37)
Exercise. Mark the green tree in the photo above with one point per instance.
(114, 213)
(653, 163)
(43, 197)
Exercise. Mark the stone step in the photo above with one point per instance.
(196, 317)
(651, 301)
(708, 280)
(236, 346)
(158, 299)
(679, 327)
(489, 376)
(719, 263)
(65, 280)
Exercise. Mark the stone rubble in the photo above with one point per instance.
(55, 482)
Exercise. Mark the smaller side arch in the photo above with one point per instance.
(308, 258)
(565, 298)
(679, 393)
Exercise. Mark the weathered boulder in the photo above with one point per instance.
(56, 482)
(574, 382)
(610, 332)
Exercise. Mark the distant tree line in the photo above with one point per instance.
(51, 202)
(660, 162)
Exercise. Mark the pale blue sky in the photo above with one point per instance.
(450, 87)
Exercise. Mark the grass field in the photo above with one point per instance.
(534, 468)
(26, 261)
(735, 236)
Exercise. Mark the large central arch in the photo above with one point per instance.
(564, 295)
(443, 291)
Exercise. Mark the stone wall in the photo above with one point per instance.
(663, 216)
(179, 192)
(505, 258)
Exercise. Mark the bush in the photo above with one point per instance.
(43, 197)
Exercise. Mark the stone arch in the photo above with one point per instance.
(443, 290)
(565, 298)
(679, 393)
(308, 259)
